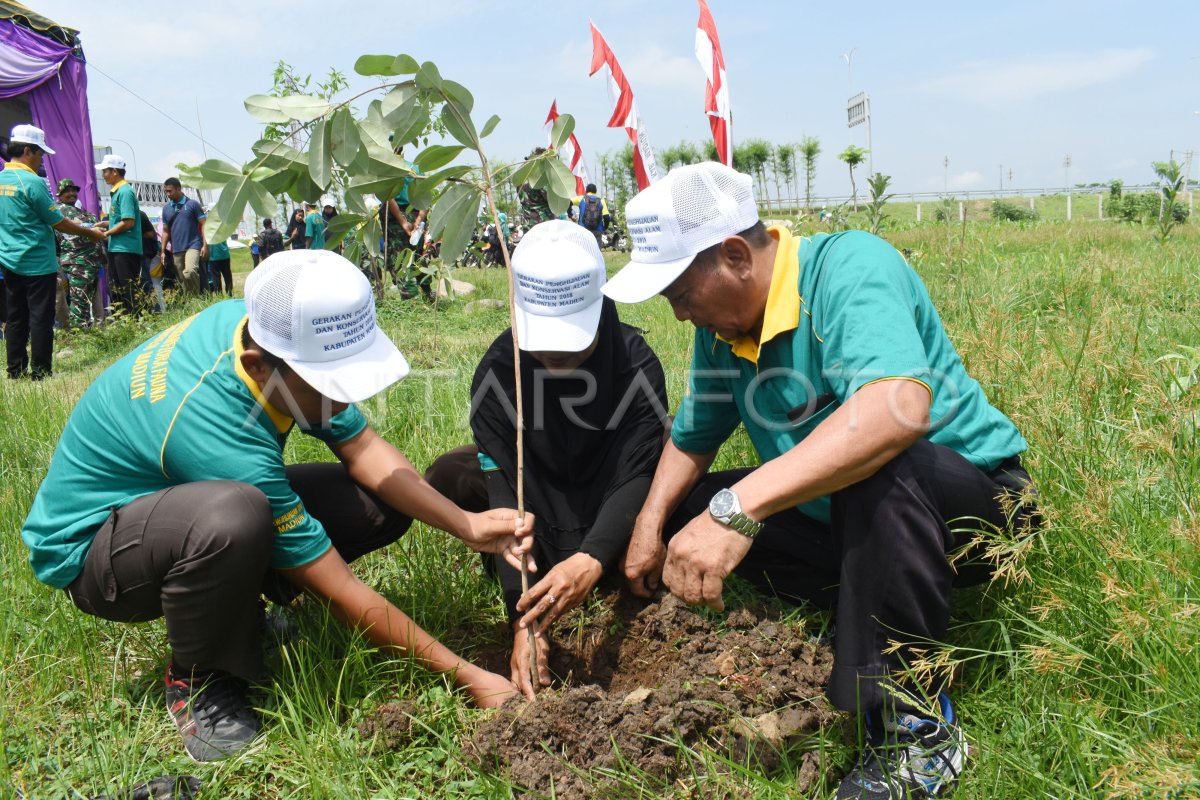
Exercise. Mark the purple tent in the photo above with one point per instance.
(50, 75)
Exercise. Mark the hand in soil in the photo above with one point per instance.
(564, 587)
(642, 563)
(519, 663)
(488, 689)
(502, 531)
(698, 559)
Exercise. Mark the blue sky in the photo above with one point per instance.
(994, 87)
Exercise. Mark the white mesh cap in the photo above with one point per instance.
(315, 310)
(671, 221)
(558, 271)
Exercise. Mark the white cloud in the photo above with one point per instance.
(965, 180)
(653, 66)
(997, 82)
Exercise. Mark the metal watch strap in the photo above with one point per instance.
(744, 525)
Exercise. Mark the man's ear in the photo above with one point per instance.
(256, 368)
(736, 253)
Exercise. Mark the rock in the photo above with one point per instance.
(459, 288)
(637, 696)
(475, 306)
(726, 664)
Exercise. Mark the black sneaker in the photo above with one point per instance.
(910, 757)
(211, 714)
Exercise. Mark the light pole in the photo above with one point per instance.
(136, 171)
(1067, 182)
(1001, 177)
(946, 175)
(849, 73)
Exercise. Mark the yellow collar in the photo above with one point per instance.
(283, 423)
(782, 312)
(18, 165)
(117, 185)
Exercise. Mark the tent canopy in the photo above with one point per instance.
(42, 63)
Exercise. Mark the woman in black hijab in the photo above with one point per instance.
(595, 407)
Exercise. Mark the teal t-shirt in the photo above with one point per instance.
(27, 213)
(863, 315)
(218, 251)
(175, 410)
(125, 206)
(314, 228)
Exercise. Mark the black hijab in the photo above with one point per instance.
(576, 453)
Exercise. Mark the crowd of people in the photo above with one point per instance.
(882, 466)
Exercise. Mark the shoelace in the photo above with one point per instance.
(220, 698)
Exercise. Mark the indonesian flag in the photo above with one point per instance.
(716, 93)
(624, 113)
(570, 152)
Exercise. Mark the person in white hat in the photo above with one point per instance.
(875, 445)
(28, 218)
(124, 235)
(167, 495)
(595, 408)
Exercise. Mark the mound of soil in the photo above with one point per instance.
(641, 682)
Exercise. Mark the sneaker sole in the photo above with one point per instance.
(257, 744)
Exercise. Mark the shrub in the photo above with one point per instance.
(1004, 211)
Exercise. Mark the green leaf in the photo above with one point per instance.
(458, 122)
(453, 220)
(436, 156)
(265, 108)
(278, 155)
(401, 97)
(408, 131)
(375, 65)
(422, 190)
(561, 132)
(459, 94)
(428, 76)
(355, 203)
(344, 137)
(489, 126)
(374, 126)
(560, 187)
(302, 107)
(229, 209)
(522, 173)
(381, 185)
(371, 234)
(404, 65)
(343, 223)
(320, 164)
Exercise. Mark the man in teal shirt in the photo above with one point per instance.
(124, 235)
(882, 460)
(28, 261)
(314, 228)
(184, 508)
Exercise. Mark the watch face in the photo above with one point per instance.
(723, 503)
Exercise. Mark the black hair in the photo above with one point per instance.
(270, 359)
(268, 222)
(173, 182)
(590, 188)
(756, 236)
(19, 149)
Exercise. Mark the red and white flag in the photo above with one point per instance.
(716, 93)
(624, 113)
(570, 152)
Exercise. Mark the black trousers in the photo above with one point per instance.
(30, 301)
(883, 562)
(198, 554)
(124, 275)
(221, 271)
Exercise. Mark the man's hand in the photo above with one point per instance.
(502, 531)
(204, 249)
(642, 563)
(700, 557)
(95, 234)
(488, 689)
(519, 663)
(563, 588)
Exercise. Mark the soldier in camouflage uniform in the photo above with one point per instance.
(535, 206)
(80, 259)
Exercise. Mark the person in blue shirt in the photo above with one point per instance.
(183, 233)
(884, 468)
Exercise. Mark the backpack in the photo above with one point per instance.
(591, 212)
(272, 242)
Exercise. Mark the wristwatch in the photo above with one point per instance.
(726, 509)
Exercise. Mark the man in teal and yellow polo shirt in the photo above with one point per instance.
(124, 236)
(185, 509)
(314, 228)
(882, 461)
(28, 219)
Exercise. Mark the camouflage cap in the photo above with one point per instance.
(67, 183)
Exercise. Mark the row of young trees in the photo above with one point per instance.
(783, 167)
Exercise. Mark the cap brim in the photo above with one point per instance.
(569, 333)
(355, 379)
(638, 281)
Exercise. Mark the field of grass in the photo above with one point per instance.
(1077, 669)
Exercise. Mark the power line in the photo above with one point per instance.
(203, 141)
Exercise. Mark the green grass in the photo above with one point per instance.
(1077, 675)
